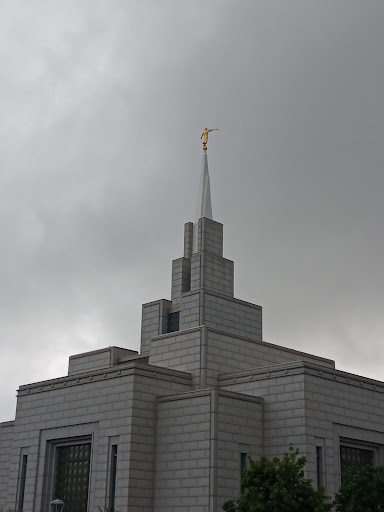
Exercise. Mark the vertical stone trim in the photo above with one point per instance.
(163, 317)
(202, 307)
(155, 456)
(188, 239)
(181, 278)
(203, 266)
(213, 451)
(203, 358)
(154, 322)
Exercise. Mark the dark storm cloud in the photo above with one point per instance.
(102, 105)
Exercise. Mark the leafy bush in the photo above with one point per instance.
(278, 486)
(362, 490)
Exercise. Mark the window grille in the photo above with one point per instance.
(355, 457)
(72, 476)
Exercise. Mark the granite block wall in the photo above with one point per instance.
(181, 279)
(239, 430)
(233, 316)
(210, 237)
(183, 453)
(190, 310)
(213, 273)
(310, 405)
(97, 359)
(179, 351)
(199, 441)
(282, 389)
(153, 322)
(147, 388)
(97, 407)
(341, 407)
(6, 442)
(228, 354)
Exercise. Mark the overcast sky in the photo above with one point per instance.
(102, 104)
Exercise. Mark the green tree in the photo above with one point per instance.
(361, 490)
(278, 486)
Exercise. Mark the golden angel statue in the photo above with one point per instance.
(204, 136)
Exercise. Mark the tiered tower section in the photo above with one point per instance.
(203, 327)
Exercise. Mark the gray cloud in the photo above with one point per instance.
(101, 109)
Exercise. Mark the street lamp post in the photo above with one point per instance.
(57, 505)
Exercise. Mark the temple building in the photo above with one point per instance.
(169, 429)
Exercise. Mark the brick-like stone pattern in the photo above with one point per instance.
(284, 406)
(341, 405)
(6, 449)
(181, 279)
(67, 408)
(153, 321)
(239, 429)
(93, 361)
(219, 275)
(183, 453)
(233, 315)
(200, 437)
(142, 454)
(196, 276)
(305, 403)
(212, 273)
(210, 237)
(227, 354)
(188, 239)
(97, 359)
(179, 351)
(190, 310)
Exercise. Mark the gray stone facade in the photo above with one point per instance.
(170, 427)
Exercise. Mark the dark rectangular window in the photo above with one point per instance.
(112, 479)
(243, 464)
(243, 461)
(173, 322)
(72, 476)
(319, 465)
(355, 457)
(23, 476)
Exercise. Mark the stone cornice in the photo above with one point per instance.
(300, 367)
(132, 368)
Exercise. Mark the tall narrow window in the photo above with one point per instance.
(243, 465)
(243, 461)
(319, 465)
(23, 475)
(72, 476)
(112, 481)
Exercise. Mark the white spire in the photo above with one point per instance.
(205, 203)
(204, 206)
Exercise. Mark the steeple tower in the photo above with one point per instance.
(184, 333)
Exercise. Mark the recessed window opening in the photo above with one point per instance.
(356, 456)
(23, 475)
(72, 476)
(173, 322)
(319, 466)
(243, 464)
(112, 481)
